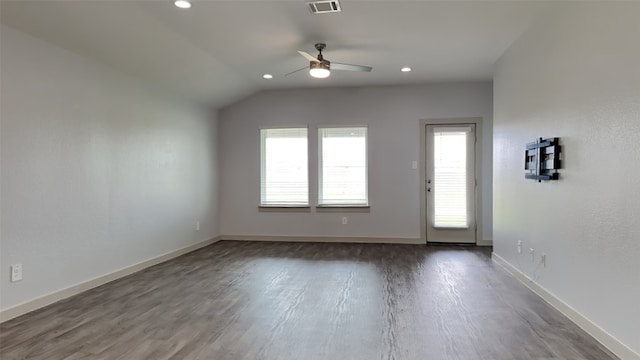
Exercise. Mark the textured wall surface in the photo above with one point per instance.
(576, 76)
(99, 172)
(392, 115)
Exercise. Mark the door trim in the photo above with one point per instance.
(423, 180)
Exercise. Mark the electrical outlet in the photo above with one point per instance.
(543, 260)
(519, 246)
(16, 272)
(197, 225)
(532, 252)
(344, 220)
(414, 164)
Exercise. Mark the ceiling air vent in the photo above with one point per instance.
(322, 7)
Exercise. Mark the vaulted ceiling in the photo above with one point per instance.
(217, 51)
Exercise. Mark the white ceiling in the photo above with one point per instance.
(217, 51)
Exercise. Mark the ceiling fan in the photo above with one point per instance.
(321, 68)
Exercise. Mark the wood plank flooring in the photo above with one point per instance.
(303, 301)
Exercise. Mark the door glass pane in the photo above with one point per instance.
(450, 178)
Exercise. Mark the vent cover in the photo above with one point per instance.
(323, 7)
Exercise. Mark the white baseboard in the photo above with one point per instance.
(342, 239)
(606, 339)
(48, 299)
(331, 239)
(484, 243)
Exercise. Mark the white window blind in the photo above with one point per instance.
(343, 166)
(450, 177)
(284, 175)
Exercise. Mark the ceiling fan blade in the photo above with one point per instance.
(308, 56)
(350, 67)
(295, 71)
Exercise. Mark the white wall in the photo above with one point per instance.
(99, 172)
(392, 114)
(576, 76)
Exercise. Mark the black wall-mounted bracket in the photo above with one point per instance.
(542, 159)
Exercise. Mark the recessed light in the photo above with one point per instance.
(406, 69)
(182, 4)
(267, 76)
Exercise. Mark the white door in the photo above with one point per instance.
(451, 183)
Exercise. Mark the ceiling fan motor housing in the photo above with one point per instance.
(322, 64)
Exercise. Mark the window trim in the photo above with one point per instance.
(319, 204)
(282, 206)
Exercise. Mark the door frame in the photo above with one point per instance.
(478, 170)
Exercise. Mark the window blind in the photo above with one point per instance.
(284, 175)
(343, 166)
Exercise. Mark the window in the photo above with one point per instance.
(284, 175)
(342, 166)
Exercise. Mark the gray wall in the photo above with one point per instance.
(576, 76)
(99, 172)
(392, 114)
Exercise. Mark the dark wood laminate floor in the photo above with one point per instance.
(252, 300)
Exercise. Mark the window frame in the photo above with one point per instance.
(320, 204)
(274, 206)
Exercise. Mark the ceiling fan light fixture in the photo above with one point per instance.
(319, 73)
(182, 4)
(319, 70)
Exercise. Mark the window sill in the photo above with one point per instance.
(284, 208)
(344, 208)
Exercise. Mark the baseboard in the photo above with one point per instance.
(341, 239)
(53, 297)
(331, 239)
(606, 339)
(484, 243)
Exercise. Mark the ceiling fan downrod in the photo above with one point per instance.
(320, 47)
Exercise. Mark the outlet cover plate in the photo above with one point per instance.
(16, 272)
